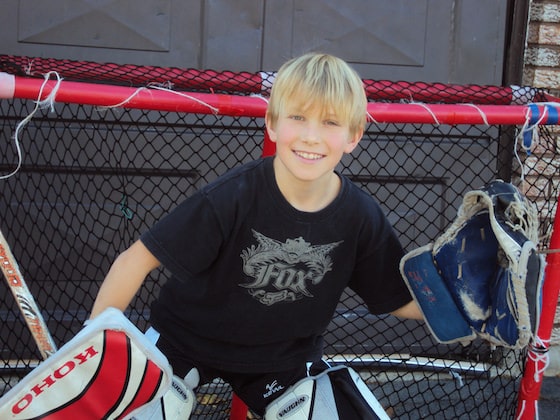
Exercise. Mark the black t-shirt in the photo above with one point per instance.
(254, 282)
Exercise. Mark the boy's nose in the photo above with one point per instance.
(311, 133)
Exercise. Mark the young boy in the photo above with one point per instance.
(260, 257)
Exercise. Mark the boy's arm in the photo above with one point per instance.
(411, 311)
(126, 275)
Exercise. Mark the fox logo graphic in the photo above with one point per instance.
(283, 272)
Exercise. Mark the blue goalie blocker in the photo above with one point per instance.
(443, 319)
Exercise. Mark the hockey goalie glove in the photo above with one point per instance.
(483, 277)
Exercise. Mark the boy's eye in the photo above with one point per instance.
(332, 122)
(296, 117)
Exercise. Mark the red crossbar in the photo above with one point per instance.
(255, 106)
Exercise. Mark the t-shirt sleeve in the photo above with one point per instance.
(376, 278)
(186, 241)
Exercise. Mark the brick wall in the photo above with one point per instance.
(542, 69)
(542, 59)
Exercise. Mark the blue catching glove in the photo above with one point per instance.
(483, 277)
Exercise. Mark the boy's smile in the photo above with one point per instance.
(307, 155)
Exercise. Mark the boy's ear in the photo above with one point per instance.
(353, 141)
(269, 128)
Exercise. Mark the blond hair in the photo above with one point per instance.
(323, 80)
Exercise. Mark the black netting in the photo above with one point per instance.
(91, 180)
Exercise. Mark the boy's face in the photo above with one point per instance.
(309, 142)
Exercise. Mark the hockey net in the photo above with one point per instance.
(96, 165)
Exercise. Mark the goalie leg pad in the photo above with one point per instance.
(338, 393)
